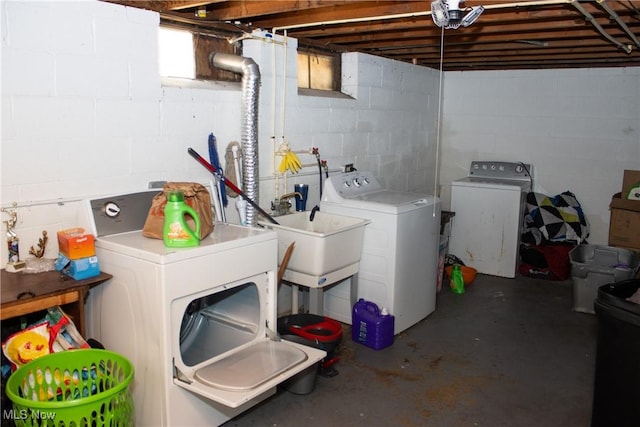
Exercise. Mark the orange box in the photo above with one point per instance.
(74, 243)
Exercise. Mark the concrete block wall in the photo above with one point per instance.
(578, 128)
(85, 113)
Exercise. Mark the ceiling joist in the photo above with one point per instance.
(518, 34)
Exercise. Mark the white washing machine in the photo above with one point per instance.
(489, 214)
(398, 267)
(197, 323)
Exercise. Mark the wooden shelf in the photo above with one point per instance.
(29, 293)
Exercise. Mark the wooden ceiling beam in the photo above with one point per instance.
(490, 43)
(428, 39)
(164, 5)
(298, 11)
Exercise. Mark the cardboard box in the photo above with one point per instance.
(78, 269)
(630, 181)
(624, 224)
(84, 268)
(74, 243)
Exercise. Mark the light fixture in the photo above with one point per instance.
(447, 14)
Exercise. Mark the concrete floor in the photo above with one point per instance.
(508, 352)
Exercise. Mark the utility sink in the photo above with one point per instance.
(325, 245)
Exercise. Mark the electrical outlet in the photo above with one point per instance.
(348, 168)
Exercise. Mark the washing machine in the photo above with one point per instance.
(489, 207)
(199, 324)
(398, 266)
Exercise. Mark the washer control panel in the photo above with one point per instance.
(500, 170)
(348, 185)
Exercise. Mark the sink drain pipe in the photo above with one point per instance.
(249, 125)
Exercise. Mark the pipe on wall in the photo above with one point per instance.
(612, 13)
(249, 123)
(591, 19)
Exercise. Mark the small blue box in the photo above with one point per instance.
(78, 269)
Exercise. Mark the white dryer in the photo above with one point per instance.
(197, 323)
(489, 213)
(398, 267)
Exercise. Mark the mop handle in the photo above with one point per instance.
(229, 184)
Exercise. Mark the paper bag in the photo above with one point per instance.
(195, 195)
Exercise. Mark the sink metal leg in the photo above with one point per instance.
(316, 296)
(294, 299)
(354, 289)
(316, 301)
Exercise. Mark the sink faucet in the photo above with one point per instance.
(287, 196)
(282, 205)
(312, 215)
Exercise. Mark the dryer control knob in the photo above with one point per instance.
(111, 209)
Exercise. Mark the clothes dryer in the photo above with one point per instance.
(199, 324)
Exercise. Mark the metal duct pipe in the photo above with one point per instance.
(249, 132)
(591, 19)
(612, 13)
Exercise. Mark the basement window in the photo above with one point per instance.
(318, 70)
(175, 52)
(185, 54)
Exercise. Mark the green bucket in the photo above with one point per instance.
(84, 387)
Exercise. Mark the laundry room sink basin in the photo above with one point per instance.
(328, 243)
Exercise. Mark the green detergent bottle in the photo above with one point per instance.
(176, 232)
(457, 280)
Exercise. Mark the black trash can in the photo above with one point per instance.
(617, 379)
(315, 331)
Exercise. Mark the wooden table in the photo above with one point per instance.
(29, 293)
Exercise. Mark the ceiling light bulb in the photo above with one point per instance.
(453, 4)
(439, 13)
(472, 16)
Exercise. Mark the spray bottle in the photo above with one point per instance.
(457, 280)
(176, 232)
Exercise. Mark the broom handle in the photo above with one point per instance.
(229, 184)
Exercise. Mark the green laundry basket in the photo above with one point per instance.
(73, 388)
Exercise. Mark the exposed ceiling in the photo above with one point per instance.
(530, 34)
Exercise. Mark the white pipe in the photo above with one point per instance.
(59, 202)
(620, 22)
(284, 85)
(282, 153)
(241, 206)
(439, 120)
(236, 164)
(417, 14)
(274, 114)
